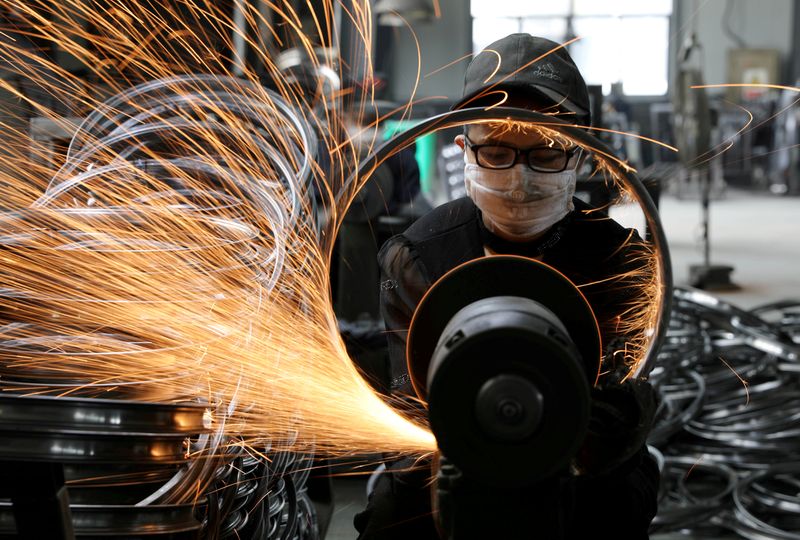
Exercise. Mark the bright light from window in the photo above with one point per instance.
(552, 28)
(518, 8)
(631, 50)
(621, 40)
(489, 30)
(623, 7)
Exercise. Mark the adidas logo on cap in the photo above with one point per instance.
(547, 71)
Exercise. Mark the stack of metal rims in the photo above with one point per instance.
(95, 467)
(728, 427)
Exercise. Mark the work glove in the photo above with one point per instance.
(620, 420)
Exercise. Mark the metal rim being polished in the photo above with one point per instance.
(583, 138)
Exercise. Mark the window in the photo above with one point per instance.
(623, 41)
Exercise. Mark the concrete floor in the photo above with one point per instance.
(350, 497)
(757, 234)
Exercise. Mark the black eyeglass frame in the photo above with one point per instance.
(518, 152)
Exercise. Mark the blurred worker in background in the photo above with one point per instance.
(520, 185)
(348, 122)
(389, 192)
(388, 203)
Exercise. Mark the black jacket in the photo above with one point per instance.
(593, 251)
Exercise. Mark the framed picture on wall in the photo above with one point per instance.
(752, 66)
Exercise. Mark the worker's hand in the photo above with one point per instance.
(621, 418)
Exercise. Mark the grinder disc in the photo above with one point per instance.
(504, 350)
(500, 275)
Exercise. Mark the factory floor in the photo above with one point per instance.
(756, 233)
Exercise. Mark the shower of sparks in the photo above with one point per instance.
(178, 254)
(182, 252)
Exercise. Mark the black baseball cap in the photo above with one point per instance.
(526, 65)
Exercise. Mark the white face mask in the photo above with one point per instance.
(519, 203)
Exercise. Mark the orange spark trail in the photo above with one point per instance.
(745, 384)
(725, 145)
(748, 85)
(176, 255)
(750, 119)
(692, 468)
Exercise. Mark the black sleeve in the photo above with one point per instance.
(609, 264)
(403, 283)
(406, 177)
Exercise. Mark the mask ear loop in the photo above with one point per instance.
(583, 155)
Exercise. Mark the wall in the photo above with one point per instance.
(764, 24)
(441, 41)
(760, 23)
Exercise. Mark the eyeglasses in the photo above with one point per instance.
(544, 159)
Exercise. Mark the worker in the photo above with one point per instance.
(520, 187)
(386, 204)
(390, 191)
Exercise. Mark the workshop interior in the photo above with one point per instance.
(240, 295)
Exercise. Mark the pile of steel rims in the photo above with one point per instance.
(728, 424)
(114, 458)
(85, 467)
